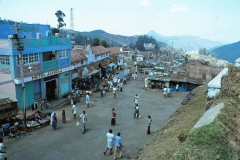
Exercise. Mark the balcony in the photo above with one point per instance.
(49, 65)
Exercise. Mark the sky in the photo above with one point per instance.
(217, 20)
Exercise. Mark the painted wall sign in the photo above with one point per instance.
(46, 74)
(64, 80)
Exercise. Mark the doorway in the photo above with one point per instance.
(50, 87)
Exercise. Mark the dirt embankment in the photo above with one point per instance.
(166, 143)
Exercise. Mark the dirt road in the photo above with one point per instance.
(69, 143)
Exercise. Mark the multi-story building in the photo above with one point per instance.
(49, 58)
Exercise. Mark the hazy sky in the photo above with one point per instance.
(212, 19)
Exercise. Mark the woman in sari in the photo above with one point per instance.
(54, 123)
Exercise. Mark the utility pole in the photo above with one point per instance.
(20, 48)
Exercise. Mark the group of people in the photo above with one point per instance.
(110, 144)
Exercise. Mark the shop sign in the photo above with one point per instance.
(46, 74)
(64, 80)
(75, 75)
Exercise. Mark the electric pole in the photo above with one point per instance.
(20, 48)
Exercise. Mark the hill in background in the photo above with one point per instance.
(185, 42)
(229, 52)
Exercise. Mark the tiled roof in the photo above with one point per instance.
(99, 50)
(114, 50)
(77, 55)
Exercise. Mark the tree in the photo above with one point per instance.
(202, 51)
(104, 44)
(60, 15)
(96, 42)
(144, 39)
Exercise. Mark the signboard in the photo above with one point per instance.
(46, 74)
(64, 80)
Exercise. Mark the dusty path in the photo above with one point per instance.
(69, 143)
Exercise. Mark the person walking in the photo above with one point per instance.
(149, 124)
(51, 118)
(63, 117)
(83, 116)
(110, 142)
(113, 121)
(164, 92)
(114, 91)
(74, 110)
(87, 99)
(3, 154)
(54, 123)
(136, 99)
(136, 111)
(121, 85)
(118, 146)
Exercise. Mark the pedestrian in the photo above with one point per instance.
(177, 85)
(136, 99)
(74, 110)
(87, 99)
(121, 85)
(136, 111)
(110, 142)
(118, 87)
(83, 116)
(118, 146)
(54, 123)
(149, 124)
(113, 121)
(164, 92)
(56, 93)
(3, 154)
(114, 91)
(63, 117)
(51, 118)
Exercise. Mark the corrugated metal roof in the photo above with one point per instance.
(77, 55)
(99, 50)
(7, 101)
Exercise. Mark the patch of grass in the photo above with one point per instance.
(206, 142)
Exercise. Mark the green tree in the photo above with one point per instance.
(96, 42)
(60, 15)
(202, 51)
(132, 46)
(104, 44)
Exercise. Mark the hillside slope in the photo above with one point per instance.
(218, 140)
(229, 52)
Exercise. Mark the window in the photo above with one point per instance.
(81, 62)
(95, 57)
(29, 58)
(63, 53)
(4, 60)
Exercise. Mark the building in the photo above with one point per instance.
(47, 57)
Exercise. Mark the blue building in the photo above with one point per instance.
(48, 56)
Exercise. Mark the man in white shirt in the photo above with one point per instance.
(74, 110)
(114, 91)
(110, 142)
(51, 118)
(83, 116)
(177, 85)
(164, 92)
(136, 100)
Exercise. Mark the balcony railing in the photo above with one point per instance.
(49, 65)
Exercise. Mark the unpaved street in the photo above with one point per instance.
(69, 143)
